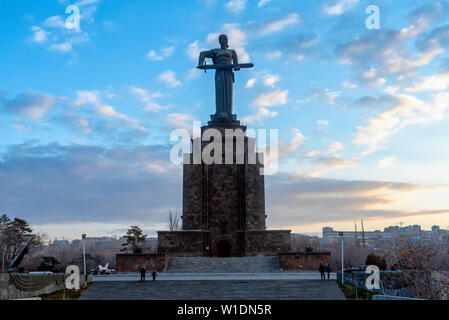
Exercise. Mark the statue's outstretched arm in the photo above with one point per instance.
(204, 55)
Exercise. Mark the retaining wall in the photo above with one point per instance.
(22, 286)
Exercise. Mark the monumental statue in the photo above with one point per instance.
(223, 211)
(225, 62)
(223, 204)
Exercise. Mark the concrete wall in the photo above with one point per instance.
(303, 260)
(133, 262)
(37, 285)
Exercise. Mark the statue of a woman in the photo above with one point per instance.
(224, 76)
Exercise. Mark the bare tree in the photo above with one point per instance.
(300, 242)
(354, 255)
(174, 221)
(13, 235)
(424, 267)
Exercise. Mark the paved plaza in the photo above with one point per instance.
(285, 286)
(166, 276)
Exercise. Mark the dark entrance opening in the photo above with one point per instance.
(224, 248)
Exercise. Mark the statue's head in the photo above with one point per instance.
(223, 39)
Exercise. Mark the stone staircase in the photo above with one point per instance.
(223, 265)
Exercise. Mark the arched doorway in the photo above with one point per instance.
(224, 248)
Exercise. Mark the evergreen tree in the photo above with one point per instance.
(134, 236)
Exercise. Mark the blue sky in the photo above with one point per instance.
(86, 115)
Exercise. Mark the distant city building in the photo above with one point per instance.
(98, 241)
(370, 237)
(58, 245)
(329, 234)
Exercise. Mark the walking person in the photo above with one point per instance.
(154, 275)
(328, 271)
(322, 271)
(143, 272)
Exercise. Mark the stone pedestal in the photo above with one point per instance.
(224, 204)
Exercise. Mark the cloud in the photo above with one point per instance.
(86, 114)
(334, 162)
(407, 111)
(323, 122)
(297, 200)
(169, 78)
(386, 162)
(436, 39)
(180, 121)
(260, 115)
(239, 33)
(401, 64)
(110, 112)
(287, 149)
(87, 97)
(61, 47)
(335, 147)
(325, 95)
(274, 26)
(368, 101)
(63, 39)
(436, 82)
(193, 50)
(236, 6)
(209, 4)
(263, 2)
(193, 74)
(168, 51)
(165, 53)
(83, 3)
(39, 35)
(52, 184)
(271, 99)
(349, 85)
(271, 79)
(31, 105)
(330, 161)
(340, 7)
(152, 55)
(312, 154)
(250, 84)
(148, 98)
(55, 183)
(376, 56)
(292, 45)
(273, 55)
(371, 78)
(54, 22)
(107, 117)
(76, 122)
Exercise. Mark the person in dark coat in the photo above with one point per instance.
(322, 271)
(143, 272)
(328, 271)
(154, 275)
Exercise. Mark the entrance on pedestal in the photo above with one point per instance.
(224, 248)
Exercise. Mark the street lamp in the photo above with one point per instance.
(342, 258)
(83, 236)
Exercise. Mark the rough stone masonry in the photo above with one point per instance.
(224, 207)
